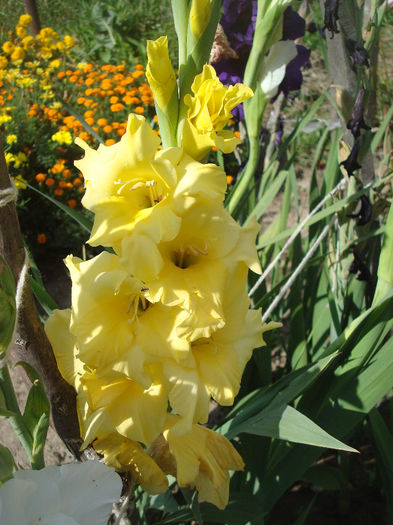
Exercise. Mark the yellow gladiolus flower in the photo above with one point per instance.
(25, 20)
(194, 266)
(215, 364)
(110, 311)
(128, 456)
(200, 459)
(159, 71)
(133, 189)
(112, 402)
(209, 112)
(199, 16)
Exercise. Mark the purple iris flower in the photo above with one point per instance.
(238, 22)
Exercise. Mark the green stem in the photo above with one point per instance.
(17, 421)
(247, 175)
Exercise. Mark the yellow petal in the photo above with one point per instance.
(64, 344)
(128, 456)
(202, 460)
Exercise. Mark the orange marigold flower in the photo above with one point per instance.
(127, 100)
(108, 129)
(89, 81)
(113, 100)
(84, 136)
(89, 91)
(61, 74)
(126, 81)
(102, 122)
(237, 134)
(139, 67)
(88, 102)
(66, 174)
(62, 184)
(58, 192)
(71, 203)
(115, 125)
(41, 238)
(229, 179)
(80, 100)
(90, 121)
(88, 113)
(40, 177)
(77, 182)
(117, 107)
(109, 142)
(50, 181)
(120, 132)
(137, 74)
(140, 110)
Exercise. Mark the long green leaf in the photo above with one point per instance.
(279, 394)
(288, 424)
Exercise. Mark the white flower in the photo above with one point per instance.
(73, 494)
(273, 72)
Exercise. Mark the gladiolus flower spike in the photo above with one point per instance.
(164, 319)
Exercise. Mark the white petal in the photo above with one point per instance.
(280, 54)
(88, 491)
(14, 498)
(56, 519)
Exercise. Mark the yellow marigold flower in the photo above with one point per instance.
(11, 139)
(159, 71)
(68, 42)
(209, 112)
(20, 31)
(60, 46)
(200, 459)
(62, 137)
(25, 20)
(4, 119)
(128, 456)
(46, 52)
(199, 16)
(55, 63)
(3, 62)
(8, 47)
(131, 189)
